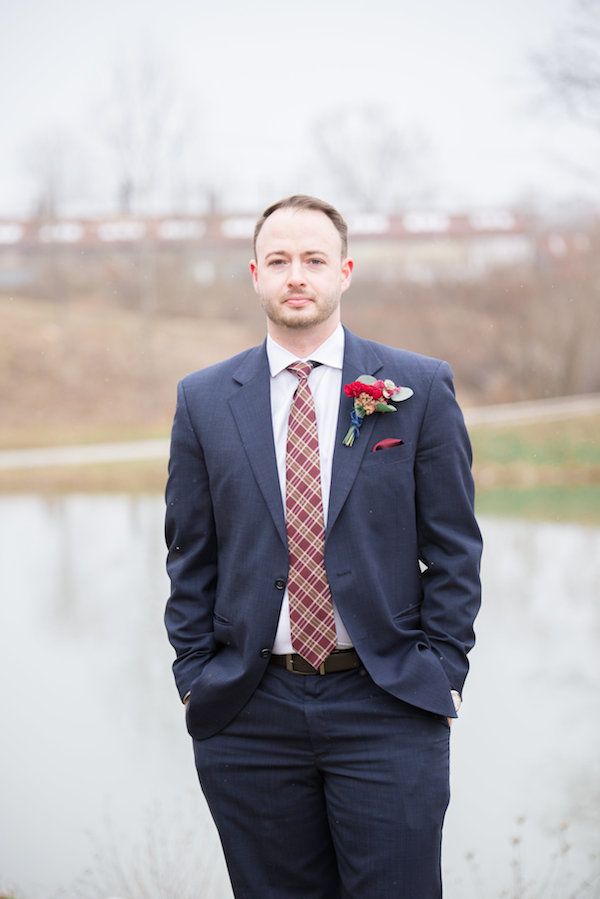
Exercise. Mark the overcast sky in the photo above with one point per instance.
(255, 75)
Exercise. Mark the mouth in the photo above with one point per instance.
(297, 301)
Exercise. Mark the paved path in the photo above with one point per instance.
(534, 410)
(84, 454)
(141, 450)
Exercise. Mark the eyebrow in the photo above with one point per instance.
(305, 253)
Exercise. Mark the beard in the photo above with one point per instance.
(317, 311)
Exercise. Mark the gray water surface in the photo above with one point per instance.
(98, 793)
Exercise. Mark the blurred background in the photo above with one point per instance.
(140, 143)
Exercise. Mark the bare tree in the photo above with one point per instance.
(52, 159)
(570, 68)
(55, 163)
(149, 126)
(369, 161)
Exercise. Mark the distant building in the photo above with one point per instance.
(421, 246)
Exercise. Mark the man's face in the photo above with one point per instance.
(298, 272)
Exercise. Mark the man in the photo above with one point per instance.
(323, 594)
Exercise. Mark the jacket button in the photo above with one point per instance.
(280, 583)
(265, 653)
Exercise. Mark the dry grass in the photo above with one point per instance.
(88, 371)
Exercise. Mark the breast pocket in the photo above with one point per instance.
(394, 454)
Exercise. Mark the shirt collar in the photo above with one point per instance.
(331, 353)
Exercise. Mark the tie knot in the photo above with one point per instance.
(301, 369)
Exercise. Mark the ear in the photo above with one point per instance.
(347, 269)
(254, 273)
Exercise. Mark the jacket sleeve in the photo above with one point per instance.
(449, 538)
(192, 551)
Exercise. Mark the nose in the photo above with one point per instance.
(296, 274)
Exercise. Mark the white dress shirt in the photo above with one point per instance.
(325, 382)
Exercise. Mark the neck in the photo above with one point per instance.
(299, 342)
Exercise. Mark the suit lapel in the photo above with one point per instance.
(360, 358)
(251, 408)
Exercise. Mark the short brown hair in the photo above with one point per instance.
(302, 201)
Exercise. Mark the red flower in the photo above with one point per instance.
(357, 387)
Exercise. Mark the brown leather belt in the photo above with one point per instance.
(339, 660)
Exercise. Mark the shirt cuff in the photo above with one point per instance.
(456, 699)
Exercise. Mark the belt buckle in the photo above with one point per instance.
(289, 664)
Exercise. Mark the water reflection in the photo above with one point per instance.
(98, 788)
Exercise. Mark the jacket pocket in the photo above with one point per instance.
(222, 629)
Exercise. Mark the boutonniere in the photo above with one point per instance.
(371, 395)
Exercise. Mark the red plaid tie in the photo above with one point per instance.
(311, 610)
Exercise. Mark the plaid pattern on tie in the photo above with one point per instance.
(311, 610)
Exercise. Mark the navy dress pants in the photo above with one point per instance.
(328, 787)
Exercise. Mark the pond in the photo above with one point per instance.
(99, 796)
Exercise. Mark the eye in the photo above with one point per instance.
(316, 261)
(275, 262)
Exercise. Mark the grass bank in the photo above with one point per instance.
(551, 502)
(543, 470)
(547, 470)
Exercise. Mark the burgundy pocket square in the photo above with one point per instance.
(386, 443)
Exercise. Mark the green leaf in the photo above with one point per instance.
(403, 393)
(366, 379)
(383, 407)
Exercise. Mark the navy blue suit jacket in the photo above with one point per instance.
(388, 511)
